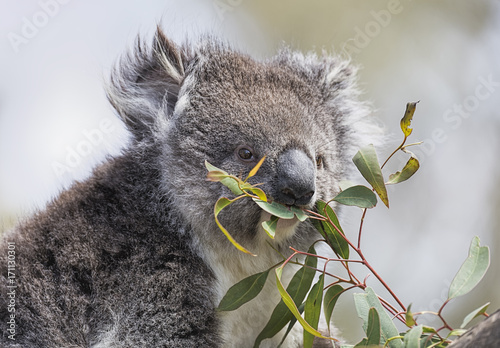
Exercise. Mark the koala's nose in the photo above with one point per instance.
(296, 178)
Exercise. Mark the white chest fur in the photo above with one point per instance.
(240, 328)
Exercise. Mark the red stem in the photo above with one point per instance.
(367, 264)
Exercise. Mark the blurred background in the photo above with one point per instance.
(56, 124)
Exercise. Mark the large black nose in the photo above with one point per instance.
(296, 178)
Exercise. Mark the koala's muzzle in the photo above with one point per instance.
(296, 178)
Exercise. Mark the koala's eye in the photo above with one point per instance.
(245, 154)
(319, 161)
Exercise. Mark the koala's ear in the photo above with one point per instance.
(334, 76)
(145, 84)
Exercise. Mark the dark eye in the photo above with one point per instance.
(245, 154)
(319, 161)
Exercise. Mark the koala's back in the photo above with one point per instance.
(105, 266)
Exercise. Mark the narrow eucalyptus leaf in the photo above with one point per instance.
(243, 291)
(259, 193)
(290, 325)
(373, 330)
(216, 176)
(408, 116)
(256, 168)
(232, 183)
(332, 294)
(412, 337)
(312, 310)
(474, 314)
(363, 302)
(359, 196)
(219, 205)
(409, 319)
(366, 161)
(456, 332)
(290, 303)
(472, 271)
(270, 226)
(297, 289)
(212, 168)
(275, 209)
(299, 213)
(407, 172)
(330, 233)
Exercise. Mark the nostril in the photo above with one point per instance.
(289, 193)
(290, 197)
(304, 199)
(287, 196)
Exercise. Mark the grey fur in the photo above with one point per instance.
(132, 257)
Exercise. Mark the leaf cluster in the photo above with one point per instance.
(303, 299)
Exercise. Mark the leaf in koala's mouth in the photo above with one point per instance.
(219, 205)
(270, 226)
(299, 213)
(275, 209)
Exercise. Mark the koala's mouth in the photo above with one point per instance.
(285, 228)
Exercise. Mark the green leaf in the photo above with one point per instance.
(290, 303)
(297, 289)
(429, 329)
(472, 270)
(408, 170)
(412, 337)
(363, 302)
(217, 174)
(243, 291)
(332, 294)
(373, 330)
(456, 332)
(219, 205)
(212, 168)
(312, 309)
(406, 120)
(299, 213)
(275, 209)
(367, 163)
(409, 319)
(270, 226)
(256, 168)
(359, 196)
(474, 314)
(259, 193)
(232, 183)
(331, 235)
(290, 325)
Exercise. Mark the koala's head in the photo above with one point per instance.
(208, 102)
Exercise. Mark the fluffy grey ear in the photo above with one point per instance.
(334, 76)
(145, 84)
(336, 79)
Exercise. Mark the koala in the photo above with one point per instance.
(132, 256)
